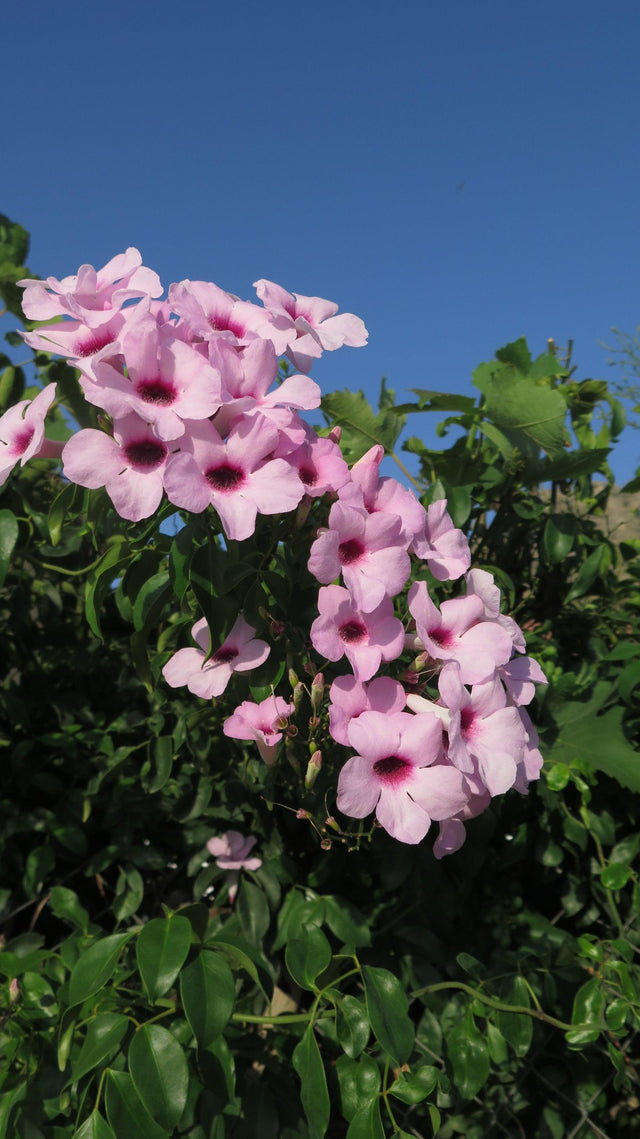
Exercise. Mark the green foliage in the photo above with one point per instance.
(351, 989)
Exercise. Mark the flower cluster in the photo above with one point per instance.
(188, 390)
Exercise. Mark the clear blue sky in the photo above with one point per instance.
(457, 173)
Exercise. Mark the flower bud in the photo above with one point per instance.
(317, 692)
(313, 769)
(298, 696)
(335, 434)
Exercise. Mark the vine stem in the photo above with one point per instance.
(501, 1006)
(406, 473)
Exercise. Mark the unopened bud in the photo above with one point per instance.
(317, 692)
(331, 822)
(276, 628)
(298, 696)
(302, 513)
(313, 769)
(335, 434)
(13, 990)
(293, 678)
(302, 814)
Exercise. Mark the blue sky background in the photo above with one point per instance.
(458, 174)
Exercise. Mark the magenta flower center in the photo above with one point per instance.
(145, 454)
(392, 770)
(467, 720)
(155, 391)
(220, 323)
(308, 475)
(352, 632)
(441, 636)
(21, 440)
(225, 654)
(350, 551)
(225, 478)
(93, 343)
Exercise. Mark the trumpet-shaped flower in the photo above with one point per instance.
(364, 638)
(130, 466)
(240, 652)
(91, 296)
(260, 722)
(350, 698)
(397, 774)
(459, 632)
(22, 432)
(367, 549)
(231, 852)
(311, 323)
(444, 548)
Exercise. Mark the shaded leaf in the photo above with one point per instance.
(160, 1073)
(161, 950)
(387, 1006)
(207, 992)
(314, 1094)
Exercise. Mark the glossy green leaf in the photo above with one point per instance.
(104, 1034)
(517, 1028)
(59, 510)
(66, 1033)
(469, 1057)
(64, 904)
(95, 967)
(150, 600)
(126, 1112)
(163, 761)
(207, 992)
(587, 1014)
(595, 564)
(346, 921)
(361, 427)
(414, 1087)
(314, 1094)
(367, 1122)
(352, 1026)
(99, 582)
(95, 1127)
(533, 416)
(360, 1081)
(615, 876)
(307, 955)
(558, 537)
(161, 950)
(9, 530)
(387, 1008)
(253, 911)
(160, 1073)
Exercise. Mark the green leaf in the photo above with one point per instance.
(314, 1094)
(14, 242)
(517, 1028)
(160, 1073)
(387, 1006)
(516, 353)
(592, 567)
(163, 761)
(352, 1026)
(558, 537)
(367, 1122)
(533, 416)
(307, 956)
(207, 992)
(98, 584)
(179, 559)
(436, 401)
(361, 427)
(161, 950)
(125, 1110)
(9, 530)
(253, 911)
(597, 738)
(346, 921)
(587, 1014)
(359, 1082)
(101, 1042)
(59, 509)
(615, 876)
(95, 1127)
(95, 967)
(469, 1057)
(150, 600)
(414, 1087)
(64, 904)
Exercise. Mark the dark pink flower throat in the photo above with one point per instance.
(392, 771)
(225, 478)
(146, 453)
(350, 551)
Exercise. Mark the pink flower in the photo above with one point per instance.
(130, 466)
(260, 722)
(91, 296)
(22, 432)
(350, 698)
(367, 549)
(383, 495)
(211, 312)
(235, 477)
(318, 461)
(240, 652)
(396, 774)
(444, 548)
(364, 638)
(166, 380)
(459, 632)
(484, 734)
(312, 324)
(230, 851)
